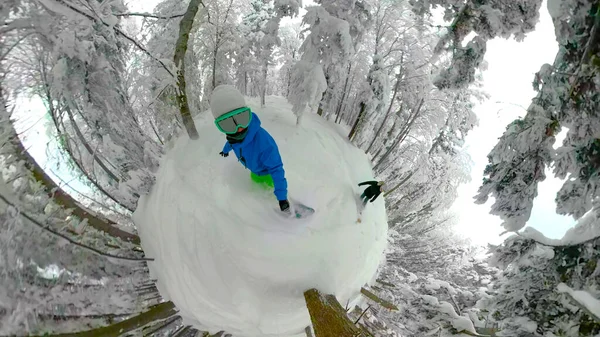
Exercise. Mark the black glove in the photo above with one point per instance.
(224, 154)
(284, 206)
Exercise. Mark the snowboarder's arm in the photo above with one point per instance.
(227, 148)
(272, 160)
(372, 182)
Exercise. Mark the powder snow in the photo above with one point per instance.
(224, 255)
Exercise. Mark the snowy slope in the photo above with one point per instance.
(228, 260)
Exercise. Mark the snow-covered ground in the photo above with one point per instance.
(227, 259)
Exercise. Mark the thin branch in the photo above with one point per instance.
(47, 228)
(102, 205)
(362, 314)
(17, 43)
(453, 302)
(76, 317)
(160, 326)
(120, 32)
(153, 16)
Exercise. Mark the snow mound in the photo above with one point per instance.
(227, 259)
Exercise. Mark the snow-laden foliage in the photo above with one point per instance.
(542, 286)
(260, 30)
(436, 281)
(287, 55)
(487, 20)
(45, 277)
(106, 77)
(328, 46)
(568, 97)
(84, 72)
(152, 84)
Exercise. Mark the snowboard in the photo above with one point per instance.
(360, 207)
(298, 210)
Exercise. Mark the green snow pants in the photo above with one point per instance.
(267, 180)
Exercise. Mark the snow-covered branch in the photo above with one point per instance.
(52, 231)
(16, 24)
(119, 31)
(153, 16)
(583, 299)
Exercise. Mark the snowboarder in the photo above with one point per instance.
(253, 145)
(372, 192)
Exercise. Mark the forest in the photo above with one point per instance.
(132, 181)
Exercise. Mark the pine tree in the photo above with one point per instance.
(567, 98)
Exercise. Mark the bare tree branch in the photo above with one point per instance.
(152, 16)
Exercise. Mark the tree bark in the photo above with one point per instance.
(328, 317)
(263, 89)
(185, 26)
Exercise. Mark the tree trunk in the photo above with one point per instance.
(401, 136)
(185, 26)
(64, 199)
(361, 113)
(387, 115)
(263, 89)
(339, 108)
(328, 317)
(159, 311)
(214, 67)
(402, 182)
(88, 147)
(320, 109)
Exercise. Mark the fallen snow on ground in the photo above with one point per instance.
(227, 259)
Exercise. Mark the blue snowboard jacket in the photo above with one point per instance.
(258, 152)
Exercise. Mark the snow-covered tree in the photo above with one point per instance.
(260, 30)
(436, 280)
(487, 20)
(567, 98)
(287, 54)
(332, 33)
(547, 286)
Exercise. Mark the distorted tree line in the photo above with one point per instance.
(115, 97)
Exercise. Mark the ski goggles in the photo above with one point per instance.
(230, 122)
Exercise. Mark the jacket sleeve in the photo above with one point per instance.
(272, 161)
(368, 183)
(227, 147)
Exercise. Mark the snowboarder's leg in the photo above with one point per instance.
(364, 197)
(266, 179)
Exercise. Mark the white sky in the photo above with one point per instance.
(511, 67)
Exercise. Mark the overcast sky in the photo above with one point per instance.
(511, 66)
